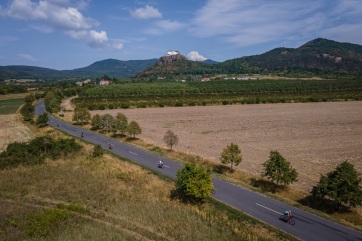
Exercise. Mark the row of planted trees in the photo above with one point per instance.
(340, 186)
(107, 122)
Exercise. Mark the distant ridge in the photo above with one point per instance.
(316, 57)
(112, 67)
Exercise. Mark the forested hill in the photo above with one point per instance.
(111, 67)
(319, 56)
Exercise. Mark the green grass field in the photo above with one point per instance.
(9, 106)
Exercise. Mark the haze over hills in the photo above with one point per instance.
(319, 56)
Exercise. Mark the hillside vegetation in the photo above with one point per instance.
(317, 57)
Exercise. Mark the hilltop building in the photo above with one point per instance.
(172, 52)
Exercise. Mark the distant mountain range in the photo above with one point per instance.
(110, 67)
(319, 56)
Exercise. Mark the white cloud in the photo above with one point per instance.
(196, 56)
(146, 12)
(27, 57)
(250, 22)
(26, 10)
(78, 34)
(60, 15)
(117, 46)
(53, 13)
(97, 39)
(93, 38)
(164, 26)
(169, 25)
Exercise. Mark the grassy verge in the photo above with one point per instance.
(85, 198)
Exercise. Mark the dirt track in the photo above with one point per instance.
(314, 137)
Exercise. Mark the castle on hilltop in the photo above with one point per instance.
(172, 52)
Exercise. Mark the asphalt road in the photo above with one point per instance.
(308, 226)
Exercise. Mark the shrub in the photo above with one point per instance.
(97, 151)
(125, 105)
(194, 182)
(36, 151)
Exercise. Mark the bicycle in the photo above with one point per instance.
(289, 219)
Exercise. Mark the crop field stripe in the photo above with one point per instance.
(10, 106)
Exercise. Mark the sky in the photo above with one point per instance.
(69, 34)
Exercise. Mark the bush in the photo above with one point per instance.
(97, 151)
(194, 182)
(36, 151)
(125, 105)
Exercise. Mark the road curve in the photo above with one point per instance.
(308, 226)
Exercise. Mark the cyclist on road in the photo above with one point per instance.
(160, 163)
(287, 214)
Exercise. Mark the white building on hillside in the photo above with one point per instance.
(172, 52)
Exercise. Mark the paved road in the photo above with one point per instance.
(308, 226)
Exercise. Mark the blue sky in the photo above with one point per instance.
(68, 34)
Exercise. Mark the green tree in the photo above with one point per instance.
(81, 115)
(96, 122)
(42, 120)
(278, 170)
(134, 129)
(231, 155)
(341, 186)
(52, 102)
(170, 139)
(121, 123)
(194, 182)
(27, 111)
(29, 98)
(107, 122)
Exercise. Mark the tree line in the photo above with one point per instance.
(107, 122)
(341, 186)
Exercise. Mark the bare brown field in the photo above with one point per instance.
(12, 130)
(314, 137)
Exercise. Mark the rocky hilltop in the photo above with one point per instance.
(170, 57)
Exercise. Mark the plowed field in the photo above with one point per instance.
(314, 137)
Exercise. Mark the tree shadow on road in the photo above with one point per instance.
(265, 185)
(323, 205)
